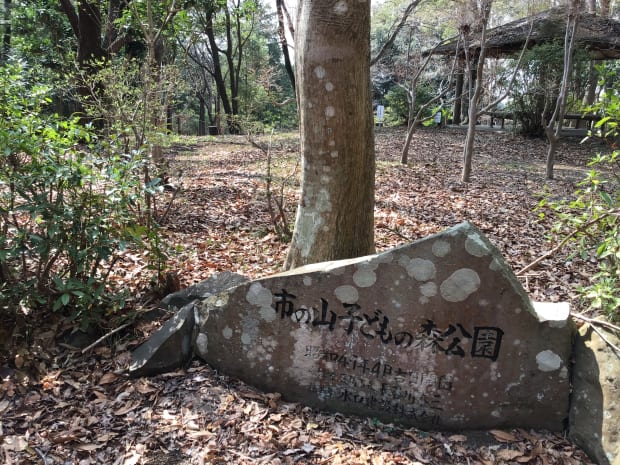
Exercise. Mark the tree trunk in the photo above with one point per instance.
(551, 149)
(202, 116)
(590, 96)
(218, 76)
(284, 42)
(335, 214)
(458, 100)
(89, 40)
(553, 128)
(6, 36)
(468, 149)
(605, 10)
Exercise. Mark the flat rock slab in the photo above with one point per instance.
(436, 334)
(595, 409)
(171, 346)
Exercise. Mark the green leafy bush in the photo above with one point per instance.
(591, 221)
(397, 101)
(68, 208)
(536, 88)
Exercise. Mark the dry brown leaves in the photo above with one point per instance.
(83, 415)
(60, 407)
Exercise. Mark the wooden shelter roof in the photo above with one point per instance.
(600, 36)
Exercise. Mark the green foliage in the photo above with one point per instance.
(591, 221)
(397, 101)
(537, 87)
(68, 208)
(397, 105)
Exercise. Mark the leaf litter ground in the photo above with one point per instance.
(59, 406)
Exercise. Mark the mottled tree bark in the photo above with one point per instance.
(335, 216)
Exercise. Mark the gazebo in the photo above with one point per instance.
(599, 36)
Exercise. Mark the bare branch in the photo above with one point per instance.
(514, 74)
(565, 241)
(388, 43)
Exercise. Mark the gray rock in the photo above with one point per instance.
(169, 348)
(595, 406)
(215, 283)
(436, 334)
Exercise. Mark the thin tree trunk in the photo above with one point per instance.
(468, 149)
(412, 127)
(553, 128)
(6, 37)
(202, 123)
(284, 43)
(590, 96)
(458, 101)
(414, 118)
(218, 75)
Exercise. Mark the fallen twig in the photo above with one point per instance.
(105, 336)
(607, 341)
(593, 323)
(576, 231)
(607, 324)
(40, 454)
(397, 233)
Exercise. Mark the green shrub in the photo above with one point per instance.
(536, 88)
(591, 220)
(68, 208)
(397, 101)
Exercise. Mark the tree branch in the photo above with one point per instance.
(69, 10)
(388, 43)
(565, 241)
(514, 74)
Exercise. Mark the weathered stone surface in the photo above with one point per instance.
(169, 348)
(437, 334)
(595, 406)
(215, 283)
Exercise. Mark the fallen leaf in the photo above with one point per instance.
(128, 408)
(308, 448)
(508, 454)
(64, 438)
(88, 447)
(524, 459)
(503, 436)
(4, 405)
(14, 443)
(107, 379)
(144, 387)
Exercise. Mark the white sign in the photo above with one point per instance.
(380, 112)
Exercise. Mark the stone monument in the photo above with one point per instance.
(437, 334)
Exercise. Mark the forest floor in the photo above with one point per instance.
(60, 405)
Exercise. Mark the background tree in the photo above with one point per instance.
(477, 17)
(95, 31)
(6, 32)
(285, 17)
(553, 126)
(335, 214)
(226, 26)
